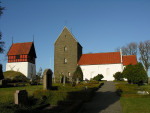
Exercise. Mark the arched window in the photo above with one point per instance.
(69, 74)
(65, 48)
(65, 61)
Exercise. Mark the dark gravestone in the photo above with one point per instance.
(3, 82)
(1, 72)
(47, 82)
(21, 97)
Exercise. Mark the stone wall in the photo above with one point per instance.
(66, 47)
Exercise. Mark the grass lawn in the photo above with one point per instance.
(131, 101)
(66, 96)
(7, 94)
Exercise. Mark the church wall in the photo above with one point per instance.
(107, 70)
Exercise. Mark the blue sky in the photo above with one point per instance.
(98, 25)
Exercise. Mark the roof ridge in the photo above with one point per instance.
(100, 53)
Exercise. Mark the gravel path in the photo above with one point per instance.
(104, 101)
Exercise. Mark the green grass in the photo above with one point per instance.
(65, 95)
(7, 94)
(131, 101)
(135, 104)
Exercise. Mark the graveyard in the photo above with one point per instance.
(47, 97)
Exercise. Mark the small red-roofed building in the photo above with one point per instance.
(21, 58)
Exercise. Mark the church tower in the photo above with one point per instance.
(21, 58)
(67, 52)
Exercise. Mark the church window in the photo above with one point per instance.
(65, 48)
(68, 73)
(65, 61)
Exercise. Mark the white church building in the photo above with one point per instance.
(106, 64)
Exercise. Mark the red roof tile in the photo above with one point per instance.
(20, 48)
(100, 58)
(130, 59)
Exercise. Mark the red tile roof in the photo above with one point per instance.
(100, 58)
(20, 48)
(129, 59)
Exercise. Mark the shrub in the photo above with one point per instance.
(98, 77)
(135, 74)
(13, 77)
(78, 74)
(118, 76)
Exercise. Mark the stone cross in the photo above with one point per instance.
(47, 82)
(21, 97)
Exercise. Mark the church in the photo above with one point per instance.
(68, 55)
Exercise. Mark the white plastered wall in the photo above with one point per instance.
(26, 68)
(107, 70)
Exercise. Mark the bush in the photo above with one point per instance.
(118, 76)
(13, 77)
(78, 74)
(135, 74)
(98, 77)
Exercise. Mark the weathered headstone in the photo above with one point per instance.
(21, 97)
(47, 82)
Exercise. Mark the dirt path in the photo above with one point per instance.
(104, 101)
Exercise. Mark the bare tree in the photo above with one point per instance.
(129, 49)
(144, 50)
(1, 42)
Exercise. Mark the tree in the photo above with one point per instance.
(39, 73)
(135, 74)
(129, 49)
(140, 75)
(128, 73)
(78, 75)
(1, 42)
(144, 50)
(118, 76)
(99, 77)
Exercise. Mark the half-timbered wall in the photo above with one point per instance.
(21, 58)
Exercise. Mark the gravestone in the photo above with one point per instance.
(1, 72)
(21, 97)
(3, 82)
(47, 82)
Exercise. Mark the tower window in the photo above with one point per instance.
(65, 48)
(17, 56)
(69, 74)
(65, 61)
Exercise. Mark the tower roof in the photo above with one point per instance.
(22, 48)
(67, 30)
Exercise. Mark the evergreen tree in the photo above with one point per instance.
(78, 75)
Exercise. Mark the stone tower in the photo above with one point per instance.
(67, 52)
